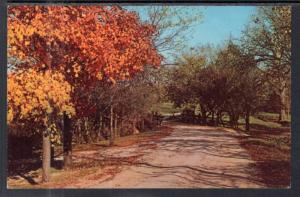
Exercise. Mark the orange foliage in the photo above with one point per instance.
(36, 95)
(105, 41)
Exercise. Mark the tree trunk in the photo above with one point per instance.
(247, 121)
(231, 120)
(284, 104)
(67, 142)
(86, 131)
(234, 120)
(103, 133)
(79, 132)
(143, 124)
(134, 129)
(116, 126)
(100, 126)
(111, 139)
(121, 126)
(52, 155)
(203, 116)
(46, 157)
(218, 119)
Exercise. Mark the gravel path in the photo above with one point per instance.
(190, 157)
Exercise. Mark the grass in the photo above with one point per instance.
(263, 118)
(271, 117)
(256, 121)
(166, 108)
(282, 143)
(269, 144)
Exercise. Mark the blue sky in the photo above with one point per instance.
(217, 24)
(220, 22)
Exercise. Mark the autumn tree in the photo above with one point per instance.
(85, 43)
(268, 38)
(79, 48)
(41, 35)
(39, 97)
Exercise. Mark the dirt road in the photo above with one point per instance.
(190, 157)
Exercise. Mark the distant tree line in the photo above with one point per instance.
(240, 79)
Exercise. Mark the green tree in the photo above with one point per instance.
(230, 83)
(268, 39)
(245, 83)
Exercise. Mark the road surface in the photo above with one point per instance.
(190, 157)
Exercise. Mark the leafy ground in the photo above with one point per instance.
(26, 173)
(269, 144)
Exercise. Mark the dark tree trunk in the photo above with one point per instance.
(279, 117)
(247, 121)
(142, 124)
(231, 120)
(100, 127)
(218, 119)
(86, 131)
(52, 155)
(203, 117)
(234, 120)
(116, 126)
(111, 139)
(67, 142)
(46, 157)
(79, 132)
(103, 122)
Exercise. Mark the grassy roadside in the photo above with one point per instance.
(269, 145)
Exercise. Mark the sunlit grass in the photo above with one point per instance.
(166, 108)
(256, 121)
